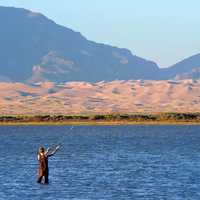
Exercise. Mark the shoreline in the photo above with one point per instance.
(102, 119)
(103, 123)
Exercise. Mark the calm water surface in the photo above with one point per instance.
(102, 162)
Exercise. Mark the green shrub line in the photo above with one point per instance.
(135, 117)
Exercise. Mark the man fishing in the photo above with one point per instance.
(43, 171)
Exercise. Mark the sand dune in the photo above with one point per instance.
(103, 97)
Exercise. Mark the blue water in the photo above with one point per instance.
(102, 162)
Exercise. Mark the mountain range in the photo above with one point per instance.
(36, 49)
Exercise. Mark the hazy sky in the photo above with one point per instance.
(165, 31)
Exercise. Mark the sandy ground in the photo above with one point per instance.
(103, 97)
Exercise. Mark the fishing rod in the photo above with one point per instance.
(55, 147)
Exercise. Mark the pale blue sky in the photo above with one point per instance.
(165, 31)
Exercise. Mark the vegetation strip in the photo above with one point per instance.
(102, 119)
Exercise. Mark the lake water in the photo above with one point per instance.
(102, 162)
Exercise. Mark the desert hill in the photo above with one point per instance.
(102, 97)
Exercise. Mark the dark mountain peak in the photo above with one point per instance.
(34, 47)
(188, 63)
(30, 17)
(186, 68)
(12, 13)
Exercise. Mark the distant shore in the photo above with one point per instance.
(103, 119)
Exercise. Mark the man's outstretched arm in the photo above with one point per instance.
(52, 150)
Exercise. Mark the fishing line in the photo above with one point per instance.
(60, 141)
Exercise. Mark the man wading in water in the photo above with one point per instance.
(43, 171)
